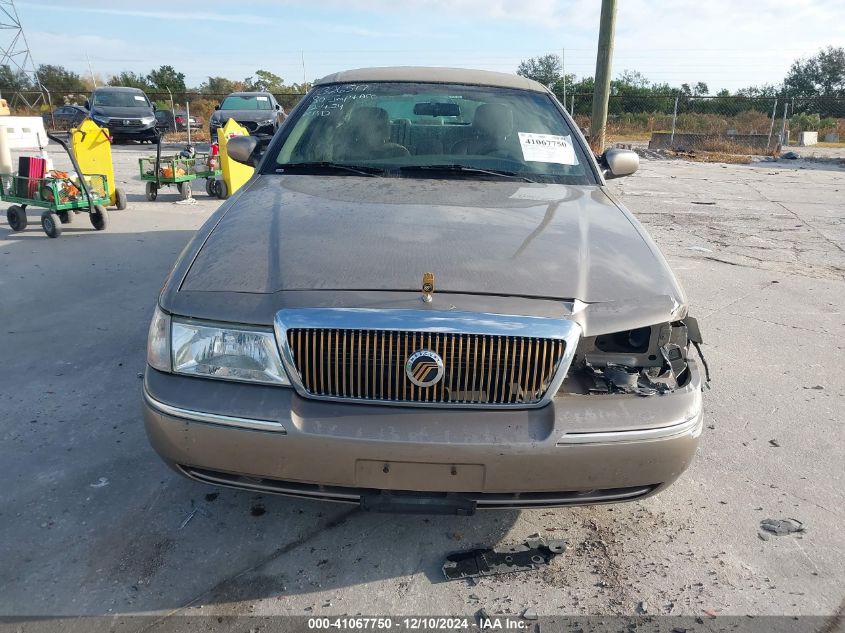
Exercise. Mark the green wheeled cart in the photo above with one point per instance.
(179, 170)
(60, 196)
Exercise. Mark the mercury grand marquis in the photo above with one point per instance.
(426, 299)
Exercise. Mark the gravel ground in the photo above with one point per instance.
(91, 522)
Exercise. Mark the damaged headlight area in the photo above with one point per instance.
(212, 350)
(646, 361)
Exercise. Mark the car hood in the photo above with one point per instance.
(244, 115)
(295, 233)
(122, 113)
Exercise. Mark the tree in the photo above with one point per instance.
(217, 86)
(166, 78)
(822, 75)
(265, 81)
(631, 79)
(130, 80)
(59, 79)
(13, 81)
(700, 89)
(546, 69)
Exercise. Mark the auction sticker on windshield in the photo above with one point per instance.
(547, 148)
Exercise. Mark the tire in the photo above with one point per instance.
(152, 191)
(210, 187)
(222, 190)
(51, 224)
(16, 216)
(185, 189)
(120, 199)
(99, 218)
(65, 217)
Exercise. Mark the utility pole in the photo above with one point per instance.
(602, 89)
(563, 70)
(15, 53)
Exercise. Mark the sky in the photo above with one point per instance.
(725, 43)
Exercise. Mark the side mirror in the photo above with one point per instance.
(87, 105)
(155, 107)
(242, 148)
(278, 107)
(217, 107)
(619, 162)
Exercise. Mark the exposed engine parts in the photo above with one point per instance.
(647, 361)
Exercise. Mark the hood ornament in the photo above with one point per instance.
(427, 286)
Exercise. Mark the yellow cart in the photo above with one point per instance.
(91, 146)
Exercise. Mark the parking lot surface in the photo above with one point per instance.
(91, 521)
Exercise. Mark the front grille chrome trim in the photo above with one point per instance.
(474, 328)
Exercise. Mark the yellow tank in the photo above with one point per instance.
(92, 150)
(234, 173)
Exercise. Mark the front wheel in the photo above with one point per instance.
(16, 216)
(210, 187)
(65, 217)
(185, 189)
(222, 190)
(119, 199)
(51, 224)
(152, 191)
(99, 217)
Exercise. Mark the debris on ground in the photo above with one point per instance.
(782, 527)
(774, 443)
(643, 607)
(790, 156)
(188, 518)
(530, 614)
(482, 617)
(102, 482)
(535, 552)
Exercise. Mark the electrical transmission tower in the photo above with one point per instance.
(15, 55)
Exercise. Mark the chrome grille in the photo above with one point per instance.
(480, 369)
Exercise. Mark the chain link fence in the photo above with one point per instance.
(715, 123)
(200, 104)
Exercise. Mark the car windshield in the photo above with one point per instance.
(246, 102)
(435, 131)
(120, 99)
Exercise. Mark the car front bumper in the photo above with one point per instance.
(144, 131)
(577, 450)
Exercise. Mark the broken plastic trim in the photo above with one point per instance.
(536, 552)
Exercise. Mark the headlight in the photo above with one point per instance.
(228, 353)
(158, 341)
(147, 120)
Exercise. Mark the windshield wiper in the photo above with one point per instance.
(324, 166)
(463, 169)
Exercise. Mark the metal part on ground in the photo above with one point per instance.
(534, 553)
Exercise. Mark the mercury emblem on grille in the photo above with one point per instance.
(424, 368)
(427, 286)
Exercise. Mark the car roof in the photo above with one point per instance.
(433, 75)
(246, 93)
(117, 89)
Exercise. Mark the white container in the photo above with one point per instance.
(808, 138)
